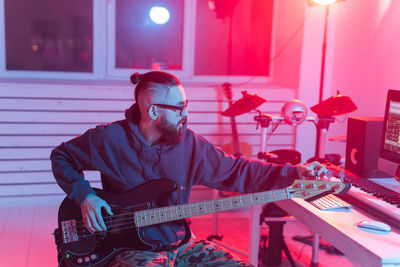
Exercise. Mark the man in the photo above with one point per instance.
(152, 143)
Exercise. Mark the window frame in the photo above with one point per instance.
(104, 51)
(98, 49)
(188, 42)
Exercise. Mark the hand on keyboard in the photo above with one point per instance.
(312, 171)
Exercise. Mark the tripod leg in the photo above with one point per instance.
(287, 253)
(314, 261)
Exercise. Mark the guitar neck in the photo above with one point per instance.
(235, 136)
(173, 213)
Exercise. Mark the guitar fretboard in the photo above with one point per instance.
(173, 213)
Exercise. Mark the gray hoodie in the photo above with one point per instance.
(125, 160)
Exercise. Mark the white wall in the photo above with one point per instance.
(362, 61)
(366, 57)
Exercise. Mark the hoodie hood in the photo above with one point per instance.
(132, 114)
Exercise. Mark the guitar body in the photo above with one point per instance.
(81, 248)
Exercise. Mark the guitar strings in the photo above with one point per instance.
(148, 218)
(120, 220)
(121, 226)
(103, 232)
(114, 221)
(125, 216)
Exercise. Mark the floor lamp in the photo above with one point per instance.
(322, 126)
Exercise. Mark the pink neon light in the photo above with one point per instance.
(324, 2)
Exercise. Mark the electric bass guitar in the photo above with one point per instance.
(235, 148)
(140, 208)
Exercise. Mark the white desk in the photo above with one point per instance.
(340, 229)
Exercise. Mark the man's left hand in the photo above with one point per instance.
(312, 171)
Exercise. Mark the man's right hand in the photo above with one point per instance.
(91, 213)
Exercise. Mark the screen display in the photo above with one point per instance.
(390, 146)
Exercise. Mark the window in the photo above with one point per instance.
(141, 43)
(49, 35)
(109, 39)
(234, 38)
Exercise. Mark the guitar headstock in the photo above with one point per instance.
(228, 90)
(313, 189)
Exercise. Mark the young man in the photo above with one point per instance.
(152, 143)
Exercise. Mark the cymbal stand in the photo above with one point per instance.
(276, 242)
(264, 121)
(322, 126)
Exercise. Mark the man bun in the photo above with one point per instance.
(135, 78)
(147, 80)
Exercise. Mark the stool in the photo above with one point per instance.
(276, 242)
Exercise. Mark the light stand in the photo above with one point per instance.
(322, 122)
(322, 127)
(324, 45)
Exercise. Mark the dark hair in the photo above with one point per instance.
(143, 81)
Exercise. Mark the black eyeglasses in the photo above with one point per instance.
(180, 108)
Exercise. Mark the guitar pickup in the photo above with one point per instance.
(69, 231)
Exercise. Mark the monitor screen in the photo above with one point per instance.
(389, 156)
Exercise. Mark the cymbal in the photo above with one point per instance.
(245, 104)
(334, 106)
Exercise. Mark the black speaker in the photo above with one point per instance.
(363, 144)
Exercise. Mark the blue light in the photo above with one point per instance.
(159, 15)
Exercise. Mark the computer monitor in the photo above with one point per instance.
(389, 156)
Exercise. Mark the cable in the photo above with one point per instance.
(290, 38)
(279, 53)
(273, 129)
(60, 261)
(244, 83)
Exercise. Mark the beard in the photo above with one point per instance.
(170, 134)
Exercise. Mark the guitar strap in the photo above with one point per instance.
(188, 235)
(188, 232)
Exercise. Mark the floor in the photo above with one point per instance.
(26, 238)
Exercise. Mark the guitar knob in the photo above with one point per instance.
(93, 256)
(324, 186)
(87, 259)
(79, 260)
(337, 187)
(298, 186)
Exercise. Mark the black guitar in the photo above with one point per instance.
(140, 208)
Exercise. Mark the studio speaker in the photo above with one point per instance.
(363, 144)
